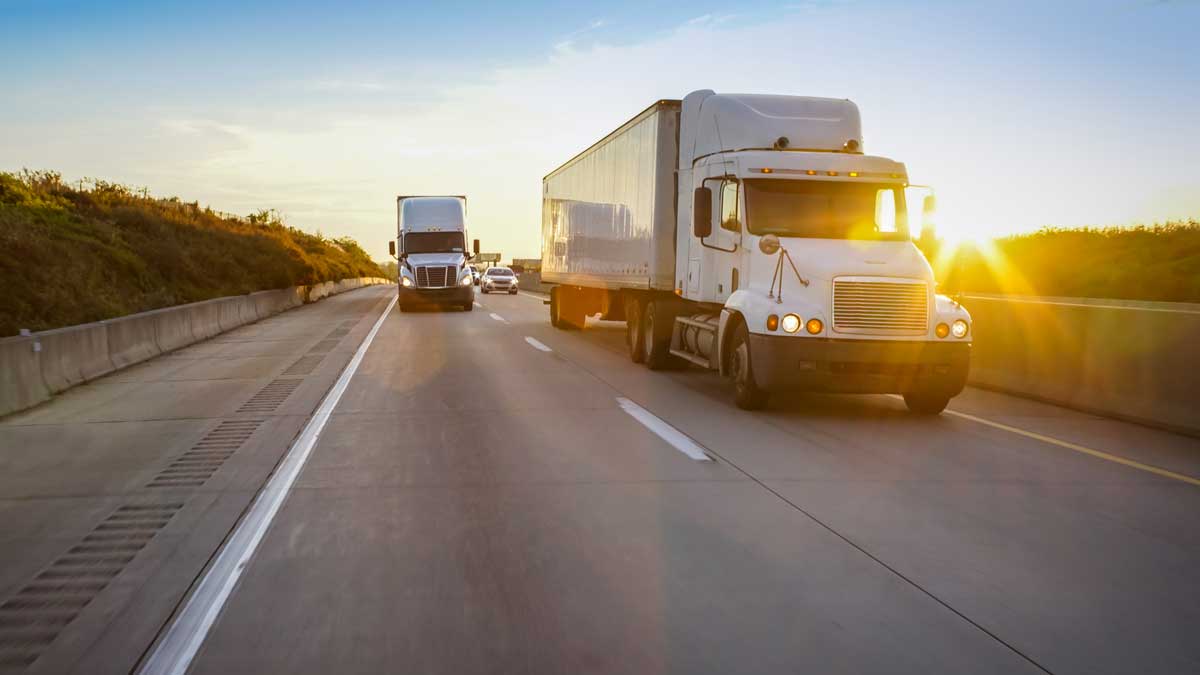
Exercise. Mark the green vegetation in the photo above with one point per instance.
(70, 255)
(1160, 262)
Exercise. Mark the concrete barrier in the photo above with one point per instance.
(532, 282)
(229, 312)
(34, 368)
(270, 303)
(21, 383)
(205, 318)
(172, 328)
(74, 355)
(131, 339)
(1128, 360)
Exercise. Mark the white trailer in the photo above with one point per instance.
(749, 234)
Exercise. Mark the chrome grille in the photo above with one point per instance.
(886, 307)
(435, 276)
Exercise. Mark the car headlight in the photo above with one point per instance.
(406, 282)
(959, 328)
(790, 322)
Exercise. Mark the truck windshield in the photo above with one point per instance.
(434, 242)
(826, 209)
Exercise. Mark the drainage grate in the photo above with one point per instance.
(194, 467)
(271, 397)
(34, 616)
(304, 366)
(323, 346)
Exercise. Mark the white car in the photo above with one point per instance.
(499, 279)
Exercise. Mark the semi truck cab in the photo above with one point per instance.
(803, 242)
(431, 237)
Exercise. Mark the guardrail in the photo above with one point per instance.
(34, 367)
(1138, 361)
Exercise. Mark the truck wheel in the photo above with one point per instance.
(746, 393)
(633, 330)
(926, 403)
(657, 321)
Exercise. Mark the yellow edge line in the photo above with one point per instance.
(1079, 448)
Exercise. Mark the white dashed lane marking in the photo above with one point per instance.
(537, 344)
(678, 440)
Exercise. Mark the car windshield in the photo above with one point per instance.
(826, 209)
(500, 272)
(434, 242)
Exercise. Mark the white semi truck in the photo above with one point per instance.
(751, 235)
(431, 236)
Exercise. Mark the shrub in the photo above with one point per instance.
(72, 254)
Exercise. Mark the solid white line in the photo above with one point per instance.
(668, 433)
(174, 653)
(539, 298)
(537, 344)
(498, 317)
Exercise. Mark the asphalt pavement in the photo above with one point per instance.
(490, 495)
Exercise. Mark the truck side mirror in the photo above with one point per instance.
(702, 212)
(928, 209)
(475, 247)
(392, 248)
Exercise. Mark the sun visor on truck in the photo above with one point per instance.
(731, 122)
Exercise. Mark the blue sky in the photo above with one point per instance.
(1021, 114)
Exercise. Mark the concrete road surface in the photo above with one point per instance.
(490, 495)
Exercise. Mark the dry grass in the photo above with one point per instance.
(1160, 262)
(71, 255)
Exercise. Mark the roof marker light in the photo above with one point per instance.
(765, 170)
(811, 172)
(830, 173)
(853, 174)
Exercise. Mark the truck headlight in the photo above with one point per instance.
(959, 328)
(791, 323)
(406, 282)
(466, 281)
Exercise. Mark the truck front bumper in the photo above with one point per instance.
(458, 295)
(783, 363)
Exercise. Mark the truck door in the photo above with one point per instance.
(726, 251)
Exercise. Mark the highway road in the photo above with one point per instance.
(346, 488)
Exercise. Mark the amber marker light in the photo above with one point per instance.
(766, 170)
(942, 330)
(773, 322)
(811, 172)
(830, 173)
(853, 174)
(814, 326)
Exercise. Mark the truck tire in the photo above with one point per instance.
(658, 319)
(925, 402)
(634, 339)
(746, 393)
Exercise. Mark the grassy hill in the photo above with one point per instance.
(71, 255)
(1160, 262)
